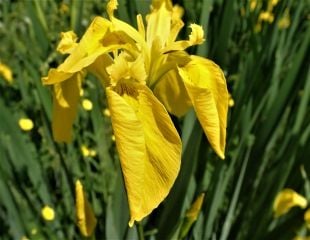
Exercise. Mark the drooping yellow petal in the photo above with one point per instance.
(66, 98)
(148, 145)
(86, 219)
(84, 54)
(172, 93)
(67, 42)
(206, 87)
(286, 199)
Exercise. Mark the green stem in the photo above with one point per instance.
(140, 231)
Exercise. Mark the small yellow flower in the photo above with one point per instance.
(286, 199)
(253, 5)
(6, 72)
(88, 152)
(34, 231)
(106, 112)
(285, 20)
(48, 213)
(113, 138)
(231, 101)
(25, 124)
(87, 105)
(63, 8)
(266, 16)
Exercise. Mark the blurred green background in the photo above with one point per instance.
(263, 48)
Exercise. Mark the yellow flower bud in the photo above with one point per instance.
(48, 213)
(25, 124)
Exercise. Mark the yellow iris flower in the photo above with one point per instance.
(146, 73)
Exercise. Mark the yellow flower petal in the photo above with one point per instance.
(286, 199)
(159, 22)
(86, 219)
(48, 213)
(84, 54)
(149, 147)
(25, 124)
(87, 104)
(67, 42)
(206, 87)
(196, 37)
(6, 72)
(172, 93)
(66, 98)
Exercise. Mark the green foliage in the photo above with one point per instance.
(267, 71)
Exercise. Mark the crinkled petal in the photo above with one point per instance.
(196, 37)
(67, 42)
(172, 93)
(206, 87)
(148, 145)
(86, 219)
(286, 199)
(66, 98)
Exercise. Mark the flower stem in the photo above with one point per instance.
(140, 231)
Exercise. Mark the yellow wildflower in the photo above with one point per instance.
(48, 213)
(63, 8)
(88, 152)
(87, 104)
(6, 72)
(25, 124)
(286, 199)
(106, 112)
(231, 101)
(253, 4)
(285, 21)
(266, 16)
(145, 73)
(86, 219)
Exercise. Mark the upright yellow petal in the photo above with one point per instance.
(86, 219)
(286, 199)
(206, 87)
(172, 93)
(159, 22)
(148, 144)
(66, 98)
